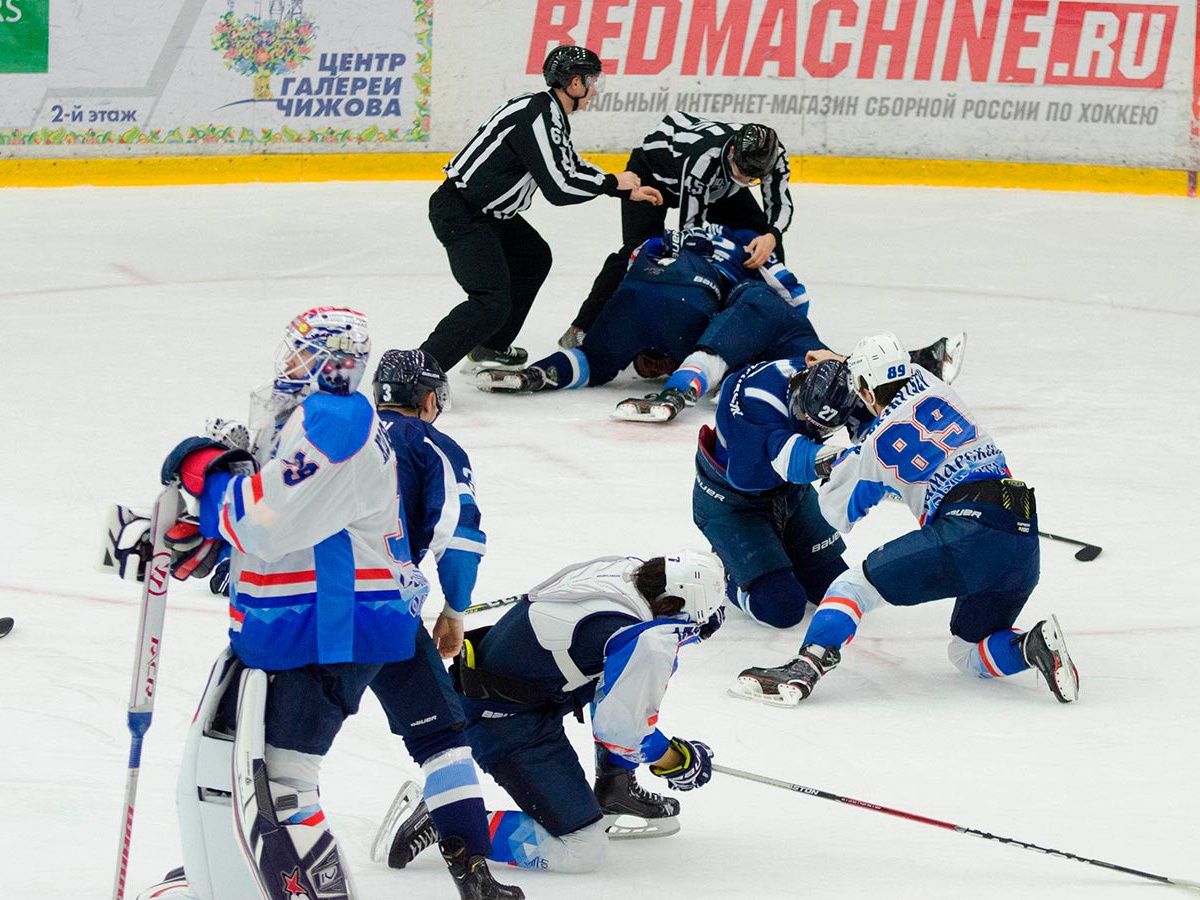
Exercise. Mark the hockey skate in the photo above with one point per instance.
(629, 810)
(662, 407)
(471, 875)
(790, 683)
(512, 381)
(406, 830)
(1044, 648)
(485, 358)
(944, 357)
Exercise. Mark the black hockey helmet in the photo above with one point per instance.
(755, 149)
(565, 62)
(406, 377)
(821, 398)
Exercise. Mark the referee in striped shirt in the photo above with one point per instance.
(701, 168)
(495, 255)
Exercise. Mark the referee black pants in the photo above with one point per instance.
(642, 221)
(500, 263)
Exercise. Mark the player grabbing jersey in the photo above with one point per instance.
(977, 540)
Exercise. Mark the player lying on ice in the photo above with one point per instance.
(606, 633)
(324, 601)
(977, 541)
(687, 296)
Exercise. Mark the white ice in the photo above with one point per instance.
(131, 315)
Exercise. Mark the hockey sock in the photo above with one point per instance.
(566, 368)
(700, 370)
(996, 656)
(518, 840)
(774, 599)
(848, 599)
(455, 800)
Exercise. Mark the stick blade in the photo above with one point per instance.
(1088, 553)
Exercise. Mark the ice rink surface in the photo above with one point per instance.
(132, 315)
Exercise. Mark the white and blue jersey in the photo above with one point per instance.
(757, 447)
(320, 567)
(437, 494)
(923, 444)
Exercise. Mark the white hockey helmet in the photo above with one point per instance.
(699, 579)
(324, 349)
(877, 360)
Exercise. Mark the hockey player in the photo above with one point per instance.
(701, 168)
(495, 255)
(977, 540)
(753, 498)
(606, 632)
(325, 598)
(677, 283)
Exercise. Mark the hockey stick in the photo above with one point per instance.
(6, 625)
(949, 826)
(145, 667)
(1086, 553)
(493, 604)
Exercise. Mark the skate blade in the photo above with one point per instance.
(751, 689)
(502, 381)
(955, 349)
(1066, 676)
(622, 826)
(407, 799)
(629, 412)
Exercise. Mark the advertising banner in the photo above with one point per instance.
(1076, 81)
(214, 76)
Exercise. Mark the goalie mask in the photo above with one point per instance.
(323, 349)
(699, 580)
(821, 398)
(407, 377)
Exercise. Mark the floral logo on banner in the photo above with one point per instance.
(260, 48)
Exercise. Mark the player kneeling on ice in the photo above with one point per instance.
(753, 498)
(324, 600)
(604, 632)
(978, 539)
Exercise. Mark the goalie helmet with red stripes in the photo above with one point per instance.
(323, 349)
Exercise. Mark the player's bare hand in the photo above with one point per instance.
(627, 181)
(447, 636)
(812, 357)
(648, 194)
(760, 250)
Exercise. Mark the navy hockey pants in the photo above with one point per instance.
(758, 325)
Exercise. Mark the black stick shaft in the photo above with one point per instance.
(1065, 540)
(948, 826)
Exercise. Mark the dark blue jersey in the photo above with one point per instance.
(437, 492)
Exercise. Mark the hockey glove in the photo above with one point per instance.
(715, 621)
(192, 554)
(694, 771)
(194, 458)
(219, 583)
(127, 546)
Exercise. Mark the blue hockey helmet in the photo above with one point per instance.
(326, 349)
(821, 398)
(407, 377)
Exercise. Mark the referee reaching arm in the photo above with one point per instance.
(495, 255)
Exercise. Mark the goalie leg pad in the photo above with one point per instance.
(297, 856)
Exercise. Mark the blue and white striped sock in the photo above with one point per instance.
(455, 800)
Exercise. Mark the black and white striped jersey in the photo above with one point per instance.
(525, 145)
(689, 157)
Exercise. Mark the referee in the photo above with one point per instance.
(495, 255)
(701, 168)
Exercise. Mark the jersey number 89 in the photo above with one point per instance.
(916, 447)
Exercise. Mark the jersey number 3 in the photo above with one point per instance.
(916, 447)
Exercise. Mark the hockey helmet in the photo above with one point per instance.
(407, 377)
(821, 398)
(877, 360)
(699, 580)
(564, 63)
(323, 349)
(755, 149)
